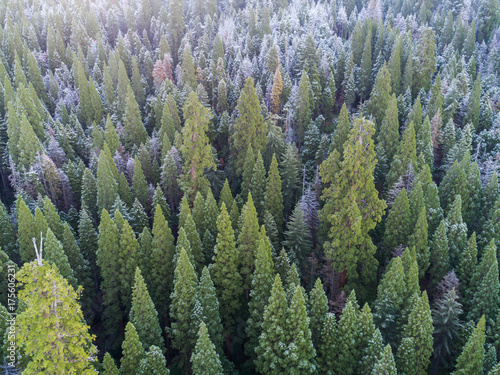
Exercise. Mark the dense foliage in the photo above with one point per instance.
(240, 187)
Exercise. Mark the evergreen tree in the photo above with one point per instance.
(303, 106)
(297, 236)
(139, 184)
(439, 253)
(424, 60)
(247, 173)
(418, 240)
(341, 133)
(419, 329)
(405, 157)
(328, 346)
(262, 281)
(249, 128)
(380, 95)
(274, 198)
(389, 304)
(351, 248)
(318, 310)
(25, 231)
(54, 253)
(89, 192)
(143, 314)
(195, 148)
(107, 256)
(133, 128)
(349, 350)
(88, 239)
(128, 260)
(272, 349)
(107, 187)
(197, 212)
(385, 365)
(298, 336)
(456, 230)
(398, 225)
(276, 91)
(446, 320)
(208, 301)
(431, 198)
(248, 241)
(195, 243)
(153, 363)
(468, 263)
(162, 270)
(51, 328)
(183, 299)
(224, 271)
(388, 137)
(424, 143)
(109, 365)
(470, 360)
(258, 185)
(133, 351)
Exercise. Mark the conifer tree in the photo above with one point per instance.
(318, 310)
(53, 253)
(470, 360)
(109, 365)
(405, 157)
(439, 253)
(183, 299)
(249, 128)
(139, 184)
(107, 256)
(195, 243)
(153, 363)
(143, 314)
(389, 304)
(446, 320)
(298, 240)
(351, 248)
(328, 346)
(385, 365)
(7, 235)
(89, 193)
(271, 352)
(398, 226)
(380, 95)
(133, 351)
(195, 149)
(51, 328)
(262, 282)
(431, 198)
(341, 133)
(424, 143)
(418, 240)
(276, 92)
(303, 104)
(349, 329)
(197, 212)
(468, 263)
(274, 197)
(298, 335)
(207, 298)
(258, 185)
(205, 359)
(40, 224)
(424, 60)
(107, 187)
(456, 230)
(224, 270)
(419, 329)
(138, 218)
(248, 241)
(226, 196)
(87, 239)
(128, 259)
(133, 127)
(211, 214)
(247, 173)
(162, 264)
(388, 137)
(25, 231)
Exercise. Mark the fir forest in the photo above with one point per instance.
(237, 187)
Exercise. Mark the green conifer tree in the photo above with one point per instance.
(109, 365)
(205, 359)
(258, 185)
(183, 299)
(380, 95)
(439, 253)
(271, 352)
(208, 301)
(224, 271)
(143, 314)
(133, 127)
(398, 226)
(385, 365)
(25, 231)
(139, 184)
(470, 360)
(133, 351)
